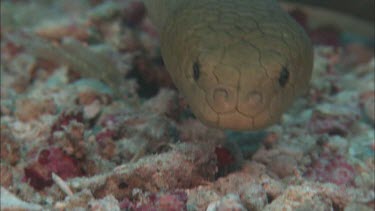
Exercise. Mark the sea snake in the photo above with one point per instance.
(238, 63)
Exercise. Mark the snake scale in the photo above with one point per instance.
(239, 63)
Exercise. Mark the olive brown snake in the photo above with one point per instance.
(239, 63)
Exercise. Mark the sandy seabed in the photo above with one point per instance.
(72, 142)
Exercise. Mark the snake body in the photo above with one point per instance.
(239, 63)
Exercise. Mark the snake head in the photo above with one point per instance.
(239, 74)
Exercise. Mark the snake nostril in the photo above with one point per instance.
(252, 103)
(220, 95)
(254, 98)
(222, 98)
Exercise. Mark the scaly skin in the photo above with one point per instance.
(239, 63)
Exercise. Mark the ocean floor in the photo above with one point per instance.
(72, 142)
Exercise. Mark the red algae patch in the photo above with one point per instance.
(39, 173)
(331, 168)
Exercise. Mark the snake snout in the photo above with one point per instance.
(222, 98)
(254, 99)
(252, 102)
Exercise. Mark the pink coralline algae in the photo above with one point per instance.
(64, 119)
(104, 135)
(333, 168)
(332, 124)
(175, 201)
(52, 160)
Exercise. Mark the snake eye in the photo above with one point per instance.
(284, 76)
(196, 70)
